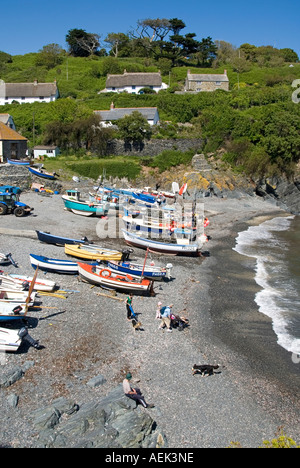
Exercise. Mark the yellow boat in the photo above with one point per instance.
(92, 252)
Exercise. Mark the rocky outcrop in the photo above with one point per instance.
(115, 421)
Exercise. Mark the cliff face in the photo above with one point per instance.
(207, 178)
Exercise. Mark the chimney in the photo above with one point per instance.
(35, 82)
(112, 106)
(225, 72)
(125, 71)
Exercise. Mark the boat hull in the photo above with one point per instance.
(137, 270)
(115, 281)
(57, 240)
(54, 265)
(43, 175)
(161, 247)
(9, 340)
(85, 208)
(92, 252)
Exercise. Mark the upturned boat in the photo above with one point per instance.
(112, 280)
(92, 252)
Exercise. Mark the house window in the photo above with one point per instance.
(49, 151)
(42, 97)
(218, 83)
(199, 82)
(23, 98)
(133, 87)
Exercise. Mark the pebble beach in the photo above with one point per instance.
(84, 333)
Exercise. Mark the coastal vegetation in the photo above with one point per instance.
(254, 127)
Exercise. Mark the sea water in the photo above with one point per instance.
(275, 244)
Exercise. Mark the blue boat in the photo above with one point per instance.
(11, 311)
(41, 173)
(54, 265)
(59, 240)
(137, 270)
(19, 162)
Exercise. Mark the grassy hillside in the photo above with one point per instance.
(255, 125)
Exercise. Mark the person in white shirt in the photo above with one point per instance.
(134, 393)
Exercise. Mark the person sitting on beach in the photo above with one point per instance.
(134, 393)
(165, 317)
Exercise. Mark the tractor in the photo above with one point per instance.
(9, 203)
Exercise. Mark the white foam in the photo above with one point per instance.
(257, 242)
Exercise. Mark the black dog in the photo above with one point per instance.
(204, 369)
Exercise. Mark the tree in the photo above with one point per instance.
(134, 128)
(81, 43)
(50, 56)
(119, 44)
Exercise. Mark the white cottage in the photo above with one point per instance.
(28, 92)
(42, 150)
(133, 83)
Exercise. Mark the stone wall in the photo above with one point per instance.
(12, 174)
(153, 147)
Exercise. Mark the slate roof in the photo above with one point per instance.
(116, 114)
(208, 77)
(9, 134)
(30, 89)
(133, 79)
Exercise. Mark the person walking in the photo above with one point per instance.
(129, 306)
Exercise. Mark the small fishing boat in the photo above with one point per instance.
(22, 282)
(92, 252)
(19, 162)
(12, 311)
(41, 173)
(54, 265)
(138, 270)
(74, 203)
(178, 247)
(11, 340)
(112, 280)
(58, 240)
(13, 296)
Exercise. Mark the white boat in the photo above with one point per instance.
(10, 340)
(110, 279)
(179, 247)
(16, 297)
(22, 282)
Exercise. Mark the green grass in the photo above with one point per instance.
(93, 168)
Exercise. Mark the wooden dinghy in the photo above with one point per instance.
(112, 280)
(16, 297)
(92, 252)
(22, 282)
